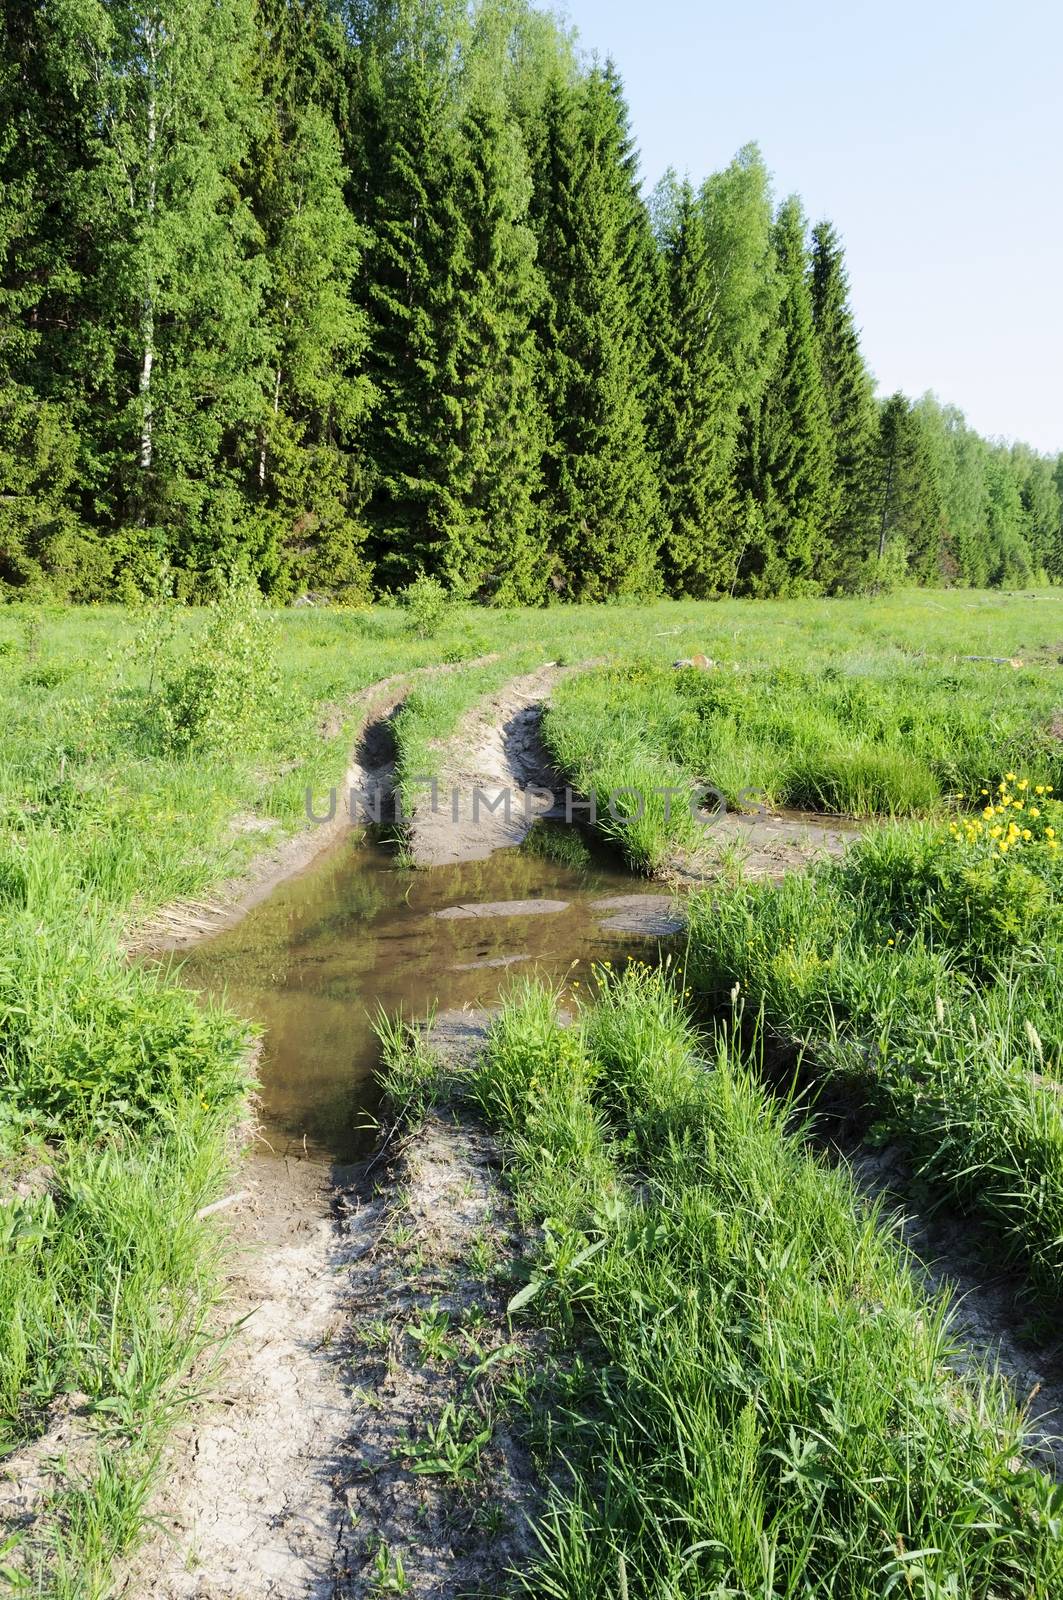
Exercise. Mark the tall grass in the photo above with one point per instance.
(751, 1395)
(878, 737)
(106, 1146)
(919, 974)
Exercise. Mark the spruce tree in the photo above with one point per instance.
(849, 394)
(489, 515)
(694, 426)
(908, 499)
(307, 469)
(600, 495)
(405, 198)
(46, 127)
(789, 462)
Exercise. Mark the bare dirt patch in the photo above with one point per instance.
(355, 1439)
(761, 847)
(497, 749)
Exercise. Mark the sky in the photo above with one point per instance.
(930, 134)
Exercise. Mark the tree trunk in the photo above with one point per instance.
(147, 310)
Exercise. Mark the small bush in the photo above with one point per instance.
(213, 697)
(426, 604)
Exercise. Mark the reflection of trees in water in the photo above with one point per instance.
(356, 932)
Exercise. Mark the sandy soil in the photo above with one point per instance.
(297, 1479)
(496, 748)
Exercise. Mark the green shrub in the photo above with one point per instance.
(426, 604)
(213, 698)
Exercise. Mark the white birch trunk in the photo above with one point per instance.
(147, 310)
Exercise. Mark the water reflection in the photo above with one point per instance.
(314, 961)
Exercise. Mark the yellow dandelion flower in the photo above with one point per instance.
(1026, 833)
(994, 833)
(1025, 784)
(1039, 788)
(1050, 833)
(1003, 847)
(1035, 811)
(1010, 777)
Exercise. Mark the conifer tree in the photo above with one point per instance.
(307, 474)
(849, 394)
(909, 502)
(600, 498)
(46, 125)
(694, 427)
(411, 256)
(789, 462)
(489, 515)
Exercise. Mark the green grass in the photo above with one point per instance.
(749, 1391)
(920, 976)
(847, 721)
(104, 817)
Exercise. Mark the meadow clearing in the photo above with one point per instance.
(753, 1391)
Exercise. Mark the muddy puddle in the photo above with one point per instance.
(354, 933)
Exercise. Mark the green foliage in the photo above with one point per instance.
(848, 391)
(787, 466)
(917, 972)
(211, 699)
(344, 294)
(696, 417)
(742, 1347)
(600, 494)
(881, 739)
(426, 604)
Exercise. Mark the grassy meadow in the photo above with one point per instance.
(750, 1393)
(149, 754)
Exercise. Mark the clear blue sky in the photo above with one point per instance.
(930, 133)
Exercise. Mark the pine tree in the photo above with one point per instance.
(695, 422)
(789, 463)
(600, 498)
(849, 394)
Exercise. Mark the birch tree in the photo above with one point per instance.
(179, 276)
